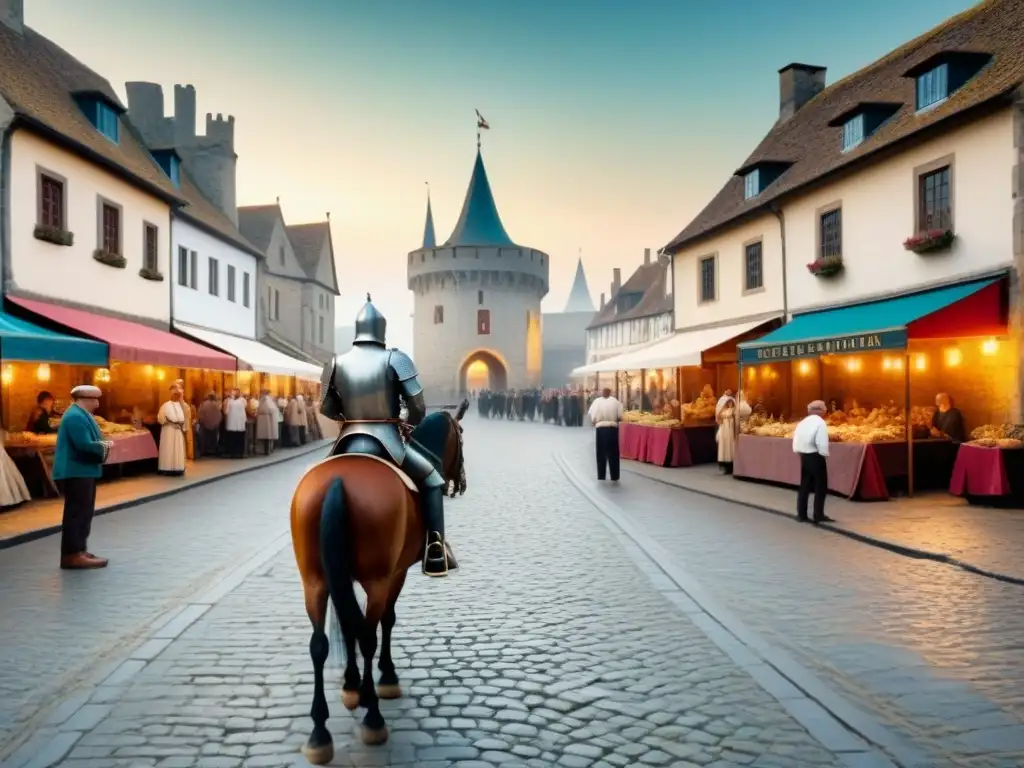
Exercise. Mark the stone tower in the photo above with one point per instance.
(210, 159)
(477, 301)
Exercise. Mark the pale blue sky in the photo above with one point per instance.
(613, 122)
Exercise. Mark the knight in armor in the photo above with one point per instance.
(361, 389)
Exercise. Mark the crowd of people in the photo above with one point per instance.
(565, 407)
(233, 427)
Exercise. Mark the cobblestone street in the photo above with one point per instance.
(552, 647)
(575, 635)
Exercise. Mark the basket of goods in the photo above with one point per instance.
(701, 409)
(31, 440)
(768, 426)
(1006, 436)
(110, 428)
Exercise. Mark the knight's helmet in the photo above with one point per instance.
(370, 325)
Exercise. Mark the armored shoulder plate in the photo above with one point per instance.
(327, 377)
(402, 365)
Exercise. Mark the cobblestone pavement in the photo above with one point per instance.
(57, 626)
(983, 537)
(936, 652)
(551, 647)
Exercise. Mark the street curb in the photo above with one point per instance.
(89, 701)
(42, 533)
(890, 546)
(853, 735)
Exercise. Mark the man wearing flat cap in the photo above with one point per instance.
(810, 443)
(77, 465)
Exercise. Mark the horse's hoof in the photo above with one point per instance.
(350, 700)
(372, 737)
(321, 755)
(389, 691)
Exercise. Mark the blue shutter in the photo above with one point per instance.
(107, 122)
(853, 132)
(933, 86)
(752, 184)
(175, 168)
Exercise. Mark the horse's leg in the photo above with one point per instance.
(387, 686)
(319, 747)
(350, 688)
(374, 730)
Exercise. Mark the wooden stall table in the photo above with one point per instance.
(667, 446)
(853, 468)
(989, 476)
(34, 459)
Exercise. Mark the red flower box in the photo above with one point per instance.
(826, 267)
(929, 240)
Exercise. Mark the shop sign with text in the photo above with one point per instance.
(836, 345)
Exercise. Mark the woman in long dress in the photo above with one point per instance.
(266, 422)
(12, 485)
(172, 435)
(190, 422)
(726, 436)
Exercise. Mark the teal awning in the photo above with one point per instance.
(23, 341)
(876, 325)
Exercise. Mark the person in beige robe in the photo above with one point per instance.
(171, 418)
(266, 422)
(313, 432)
(190, 422)
(300, 419)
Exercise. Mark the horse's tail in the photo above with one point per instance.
(336, 556)
(463, 407)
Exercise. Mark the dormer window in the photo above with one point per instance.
(104, 116)
(933, 86)
(940, 76)
(853, 132)
(860, 123)
(757, 177)
(752, 184)
(170, 163)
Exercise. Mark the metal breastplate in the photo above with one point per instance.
(369, 393)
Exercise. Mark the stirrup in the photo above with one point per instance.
(432, 547)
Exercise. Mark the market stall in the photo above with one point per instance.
(989, 469)
(881, 368)
(671, 388)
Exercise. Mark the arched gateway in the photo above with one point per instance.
(482, 369)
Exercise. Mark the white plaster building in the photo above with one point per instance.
(477, 300)
(86, 228)
(925, 143)
(637, 315)
(89, 217)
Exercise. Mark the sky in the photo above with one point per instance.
(612, 122)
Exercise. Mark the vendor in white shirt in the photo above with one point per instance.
(605, 414)
(810, 443)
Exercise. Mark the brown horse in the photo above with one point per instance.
(356, 518)
(454, 463)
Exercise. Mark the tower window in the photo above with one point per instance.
(479, 298)
(483, 322)
(438, 315)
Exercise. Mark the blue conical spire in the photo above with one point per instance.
(428, 229)
(479, 222)
(579, 295)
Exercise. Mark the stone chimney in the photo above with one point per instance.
(12, 14)
(647, 255)
(602, 301)
(798, 84)
(616, 281)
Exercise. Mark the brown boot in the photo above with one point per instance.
(101, 560)
(81, 561)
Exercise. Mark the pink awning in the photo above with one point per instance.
(131, 342)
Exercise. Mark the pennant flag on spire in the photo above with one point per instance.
(481, 123)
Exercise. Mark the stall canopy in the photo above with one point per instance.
(131, 342)
(969, 309)
(22, 341)
(681, 349)
(251, 354)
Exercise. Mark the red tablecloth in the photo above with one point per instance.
(979, 471)
(853, 468)
(664, 447)
(133, 447)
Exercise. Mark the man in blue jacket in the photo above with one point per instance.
(77, 465)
